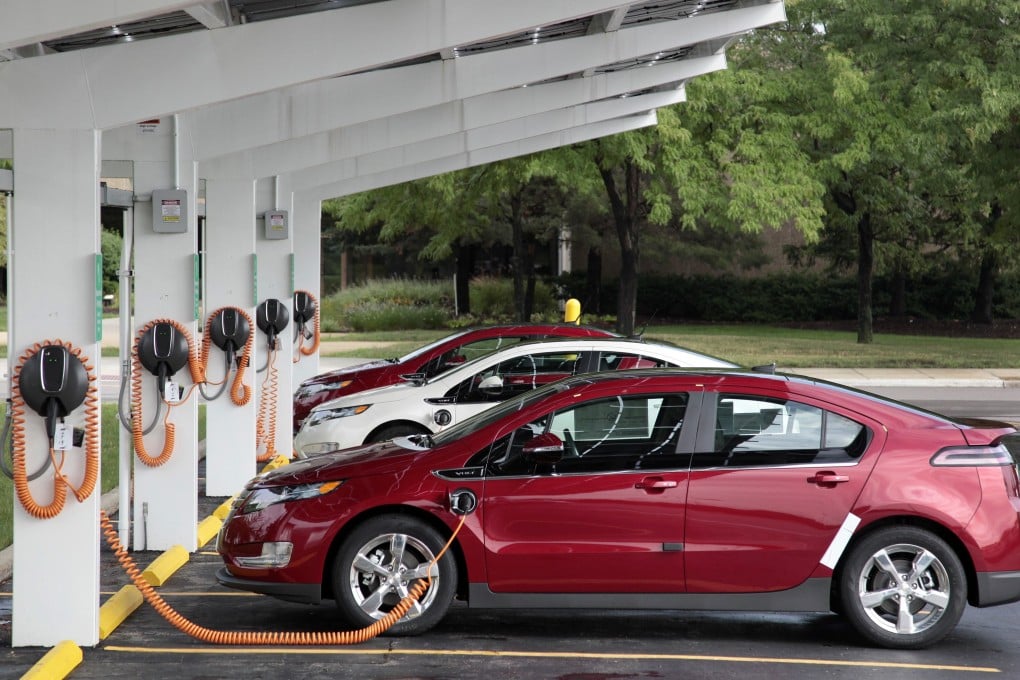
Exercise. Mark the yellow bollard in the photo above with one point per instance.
(572, 311)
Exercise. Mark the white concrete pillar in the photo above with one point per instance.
(275, 280)
(306, 228)
(55, 293)
(230, 282)
(165, 508)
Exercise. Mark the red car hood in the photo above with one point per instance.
(370, 459)
(360, 371)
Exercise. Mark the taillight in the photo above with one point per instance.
(972, 456)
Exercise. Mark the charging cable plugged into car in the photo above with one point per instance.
(462, 502)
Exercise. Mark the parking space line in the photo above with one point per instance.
(553, 655)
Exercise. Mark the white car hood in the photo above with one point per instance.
(376, 395)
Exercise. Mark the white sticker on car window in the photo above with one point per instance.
(840, 541)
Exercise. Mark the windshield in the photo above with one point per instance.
(489, 416)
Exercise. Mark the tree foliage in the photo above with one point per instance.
(884, 131)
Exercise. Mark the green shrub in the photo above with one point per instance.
(390, 304)
(394, 317)
(397, 304)
(493, 298)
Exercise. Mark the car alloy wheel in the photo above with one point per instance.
(903, 587)
(379, 562)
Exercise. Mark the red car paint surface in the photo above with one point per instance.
(730, 490)
(431, 360)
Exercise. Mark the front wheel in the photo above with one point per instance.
(903, 588)
(388, 432)
(377, 565)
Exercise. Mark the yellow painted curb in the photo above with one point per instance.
(57, 663)
(277, 462)
(164, 566)
(224, 508)
(207, 529)
(117, 608)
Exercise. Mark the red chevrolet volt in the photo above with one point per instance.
(653, 489)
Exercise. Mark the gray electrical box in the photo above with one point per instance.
(277, 225)
(170, 211)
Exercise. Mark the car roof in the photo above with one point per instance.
(632, 344)
(764, 378)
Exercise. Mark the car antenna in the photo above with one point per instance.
(640, 333)
(770, 369)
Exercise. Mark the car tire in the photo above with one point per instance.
(388, 432)
(894, 603)
(402, 548)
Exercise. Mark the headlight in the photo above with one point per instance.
(321, 415)
(260, 499)
(274, 555)
(317, 449)
(309, 390)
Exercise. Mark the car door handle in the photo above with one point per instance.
(827, 479)
(656, 484)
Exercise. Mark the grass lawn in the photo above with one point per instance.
(753, 345)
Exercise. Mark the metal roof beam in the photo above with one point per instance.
(449, 118)
(477, 140)
(469, 159)
(330, 104)
(211, 14)
(25, 22)
(114, 85)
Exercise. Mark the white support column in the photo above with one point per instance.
(275, 281)
(229, 282)
(53, 294)
(306, 223)
(165, 508)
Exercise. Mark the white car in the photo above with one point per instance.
(421, 406)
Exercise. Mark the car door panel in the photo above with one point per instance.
(589, 533)
(762, 521)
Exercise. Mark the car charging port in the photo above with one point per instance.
(463, 501)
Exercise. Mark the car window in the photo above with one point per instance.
(762, 431)
(515, 376)
(607, 435)
(619, 361)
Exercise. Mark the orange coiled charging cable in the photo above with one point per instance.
(265, 423)
(240, 393)
(314, 347)
(137, 435)
(60, 482)
(222, 637)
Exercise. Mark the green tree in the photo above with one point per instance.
(722, 159)
(908, 109)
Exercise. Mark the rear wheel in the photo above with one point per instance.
(377, 566)
(903, 587)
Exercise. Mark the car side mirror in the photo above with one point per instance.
(492, 386)
(545, 448)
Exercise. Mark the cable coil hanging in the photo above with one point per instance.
(265, 423)
(197, 377)
(240, 393)
(60, 481)
(300, 318)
